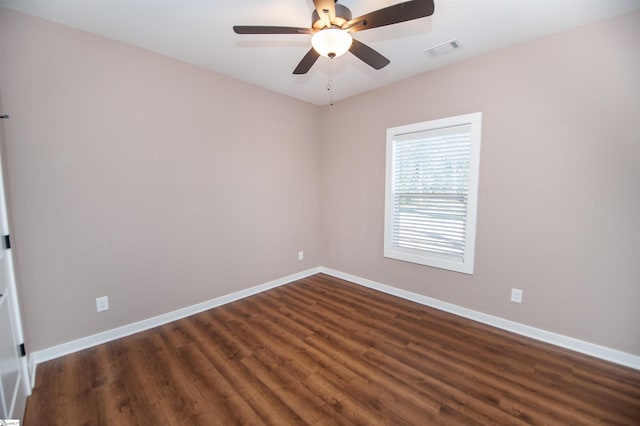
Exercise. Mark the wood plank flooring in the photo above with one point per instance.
(322, 351)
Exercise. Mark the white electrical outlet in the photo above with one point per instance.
(102, 303)
(516, 295)
(300, 255)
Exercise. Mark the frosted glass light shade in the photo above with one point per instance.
(331, 42)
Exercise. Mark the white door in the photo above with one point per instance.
(14, 381)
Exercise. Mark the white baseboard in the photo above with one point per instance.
(57, 351)
(597, 351)
(602, 352)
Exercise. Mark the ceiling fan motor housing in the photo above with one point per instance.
(343, 15)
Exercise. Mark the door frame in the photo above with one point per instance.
(18, 400)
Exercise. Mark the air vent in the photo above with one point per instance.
(443, 48)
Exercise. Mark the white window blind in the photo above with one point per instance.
(430, 185)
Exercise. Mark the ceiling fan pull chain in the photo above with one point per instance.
(330, 81)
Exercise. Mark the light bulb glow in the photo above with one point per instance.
(331, 42)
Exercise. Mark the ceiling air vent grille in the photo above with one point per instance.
(443, 48)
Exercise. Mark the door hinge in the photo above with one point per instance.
(7, 242)
(23, 351)
(5, 117)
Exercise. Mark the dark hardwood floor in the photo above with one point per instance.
(324, 351)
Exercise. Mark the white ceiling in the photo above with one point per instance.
(200, 32)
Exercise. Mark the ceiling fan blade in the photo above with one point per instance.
(326, 10)
(368, 55)
(307, 62)
(400, 12)
(255, 29)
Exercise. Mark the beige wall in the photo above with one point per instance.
(162, 185)
(559, 195)
(139, 177)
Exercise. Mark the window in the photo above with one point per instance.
(431, 192)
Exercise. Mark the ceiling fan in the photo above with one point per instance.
(332, 25)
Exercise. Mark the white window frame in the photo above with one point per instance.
(425, 257)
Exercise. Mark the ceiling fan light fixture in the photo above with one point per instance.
(331, 42)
